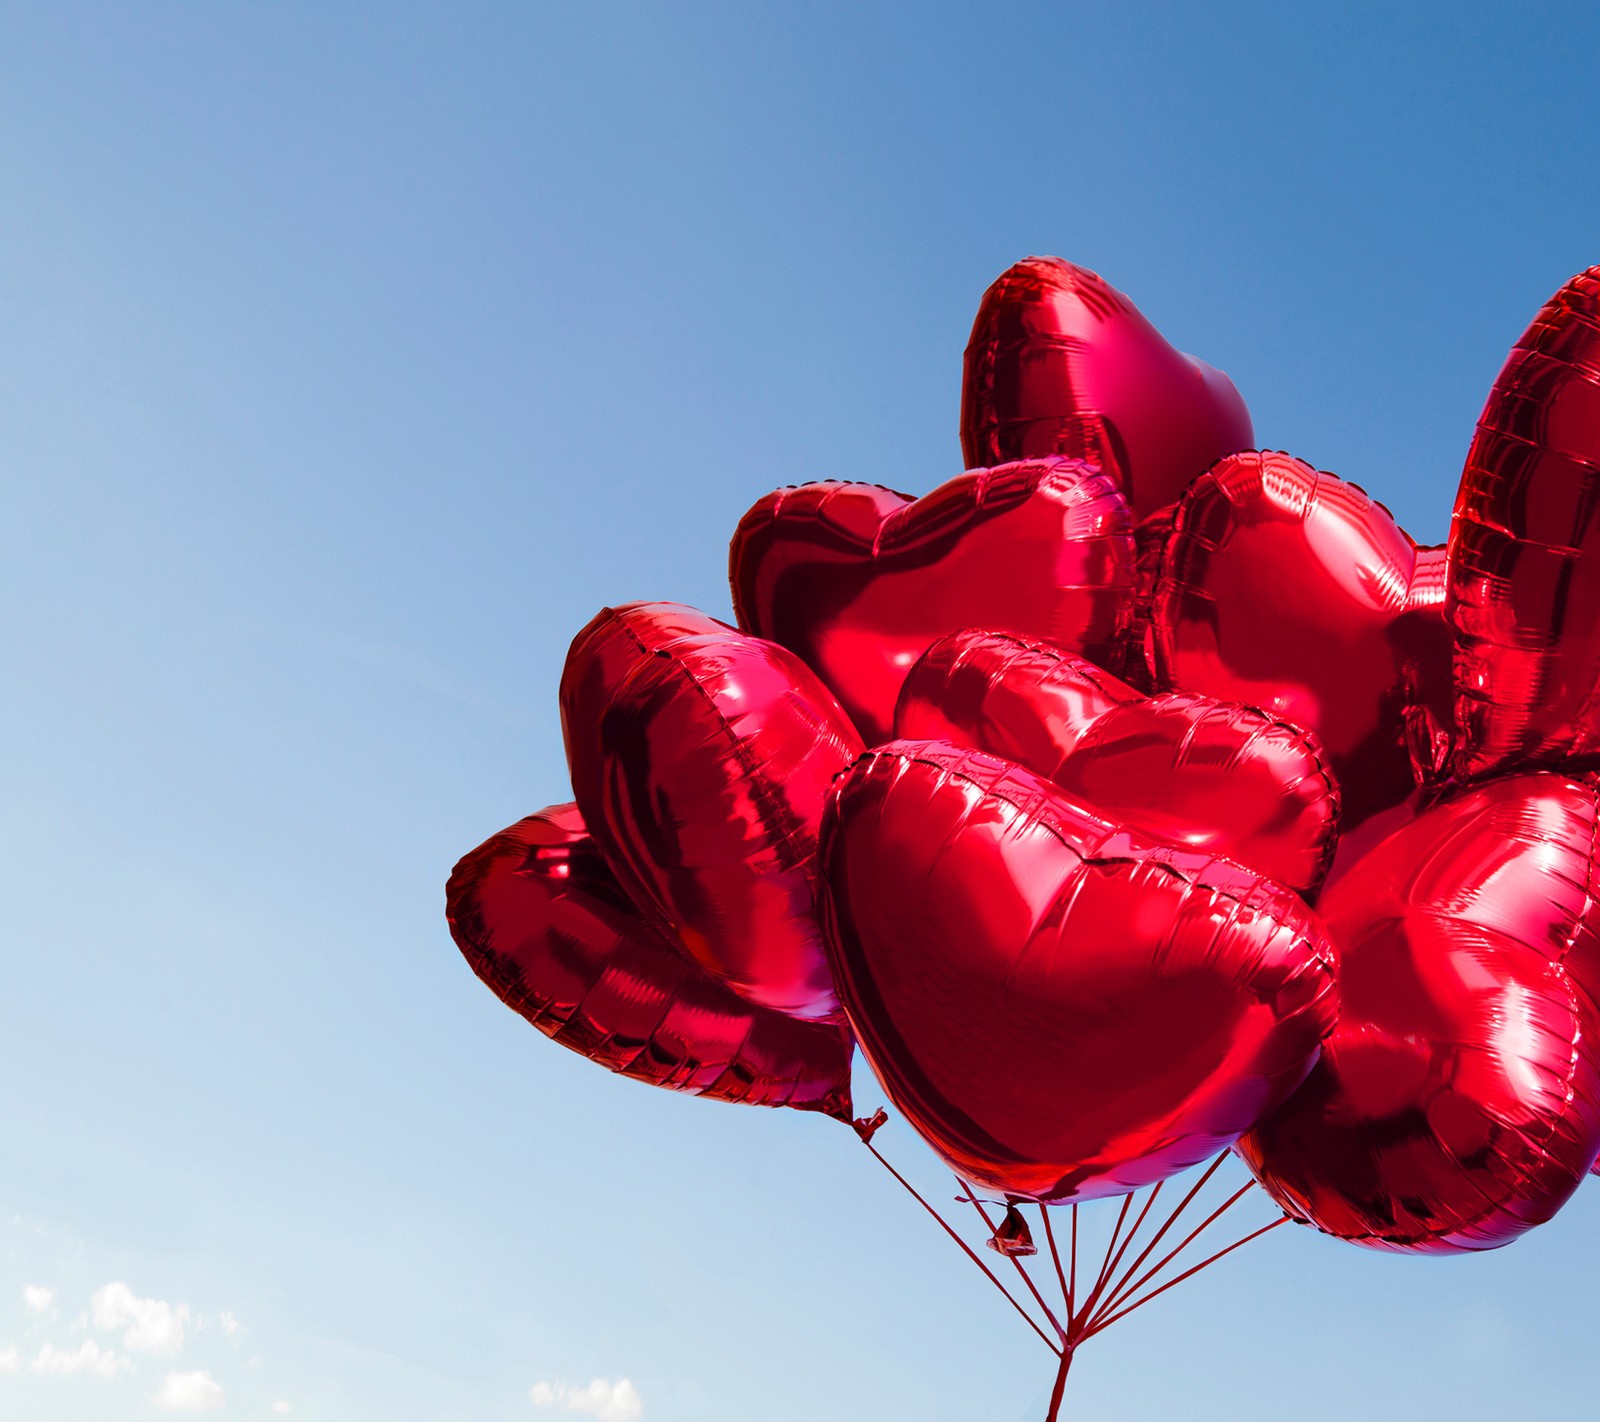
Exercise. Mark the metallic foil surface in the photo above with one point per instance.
(1150, 538)
(544, 923)
(1061, 1008)
(1457, 1103)
(1524, 596)
(1212, 777)
(1289, 589)
(858, 580)
(700, 760)
(1060, 362)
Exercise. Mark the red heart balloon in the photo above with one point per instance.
(1062, 1009)
(1525, 549)
(1060, 362)
(1208, 776)
(700, 759)
(1457, 1103)
(1291, 590)
(858, 579)
(545, 924)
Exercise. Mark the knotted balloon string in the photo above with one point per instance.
(1117, 1289)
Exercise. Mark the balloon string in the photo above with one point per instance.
(1072, 1286)
(1111, 1244)
(1127, 1240)
(1027, 1279)
(1055, 1258)
(965, 1248)
(1187, 1273)
(1061, 1385)
(1115, 1294)
(1125, 1289)
(1161, 1233)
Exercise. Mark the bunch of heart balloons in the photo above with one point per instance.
(1133, 795)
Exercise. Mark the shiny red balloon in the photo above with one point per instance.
(1061, 1008)
(1060, 362)
(1457, 1103)
(1525, 549)
(545, 924)
(1208, 776)
(858, 579)
(700, 759)
(1291, 590)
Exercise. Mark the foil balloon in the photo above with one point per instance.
(544, 923)
(1457, 1103)
(1208, 776)
(700, 760)
(1061, 1008)
(858, 580)
(1524, 593)
(1060, 362)
(1288, 589)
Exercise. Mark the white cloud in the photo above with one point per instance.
(280, 1407)
(153, 1326)
(9, 1360)
(231, 1327)
(37, 1298)
(89, 1358)
(604, 1401)
(189, 1392)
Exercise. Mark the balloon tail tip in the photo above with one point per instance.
(1013, 1239)
(867, 1126)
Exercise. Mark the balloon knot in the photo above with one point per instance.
(867, 1126)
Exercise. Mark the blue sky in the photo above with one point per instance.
(350, 358)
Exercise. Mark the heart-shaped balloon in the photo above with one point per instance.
(1457, 1103)
(1208, 776)
(545, 924)
(1291, 590)
(700, 759)
(858, 579)
(1525, 549)
(1060, 362)
(1062, 1009)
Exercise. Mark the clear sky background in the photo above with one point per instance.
(351, 357)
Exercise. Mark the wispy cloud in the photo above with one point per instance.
(280, 1407)
(138, 1326)
(89, 1357)
(605, 1401)
(153, 1325)
(38, 1299)
(189, 1392)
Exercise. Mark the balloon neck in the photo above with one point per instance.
(867, 1126)
(1013, 1239)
